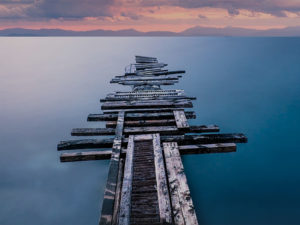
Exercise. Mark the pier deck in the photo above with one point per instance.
(146, 181)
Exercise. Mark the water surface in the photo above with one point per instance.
(249, 85)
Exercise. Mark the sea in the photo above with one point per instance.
(250, 85)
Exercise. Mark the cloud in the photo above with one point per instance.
(274, 7)
(54, 9)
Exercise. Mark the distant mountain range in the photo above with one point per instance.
(194, 31)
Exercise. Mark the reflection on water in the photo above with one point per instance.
(250, 85)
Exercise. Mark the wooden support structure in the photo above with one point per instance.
(146, 182)
(183, 208)
(148, 129)
(111, 184)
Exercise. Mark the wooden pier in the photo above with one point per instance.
(146, 182)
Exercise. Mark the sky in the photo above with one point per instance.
(148, 15)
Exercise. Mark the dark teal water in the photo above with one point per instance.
(249, 85)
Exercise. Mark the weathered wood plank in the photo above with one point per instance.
(182, 204)
(181, 139)
(92, 131)
(158, 73)
(85, 143)
(146, 97)
(125, 204)
(206, 139)
(171, 129)
(149, 66)
(138, 116)
(180, 119)
(112, 179)
(148, 92)
(85, 156)
(149, 82)
(144, 78)
(118, 192)
(184, 150)
(146, 110)
(147, 104)
(161, 180)
(141, 123)
(147, 74)
(146, 130)
(207, 148)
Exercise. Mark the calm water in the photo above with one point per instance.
(249, 85)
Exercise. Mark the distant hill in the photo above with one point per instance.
(194, 31)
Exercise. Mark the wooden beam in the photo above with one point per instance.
(147, 92)
(92, 131)
(182, 204)
(180, 119)
(170, 129)
(146, 97)
(207, 148)
(125, 204)
(138, 110)
(161, 181)
(85, 156)
(85, 143)
(141, 123)
(147, 104)
(138, 116)
(118, 192)
(206, 139)
(181, 139)
(184, 150)
(112, 179)
(146, 130)
(149, 82)
(149, 66)
(144, 78)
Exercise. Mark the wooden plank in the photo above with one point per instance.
(181, 139)
(92, 131)
(169, 72)
(86, 143)
(180, 119)
(147, 74)
(206, 139)
(85, 156)
(144, 78)
(147, 104)
(146, 110)
(184, 150)
(182, 204)
(158, 72)
(161, 180)
(138, 116)
(149, 82)
(146, 97)
(112, 179)
(149, 65)
(141, 123)
(207, 148)
(125, 204)
(171, 129)
(146, 130)
(144, 59)
(118, 192)
(147, 92)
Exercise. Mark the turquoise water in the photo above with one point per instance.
(249, 85)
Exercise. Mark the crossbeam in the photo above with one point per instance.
(180, 139)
